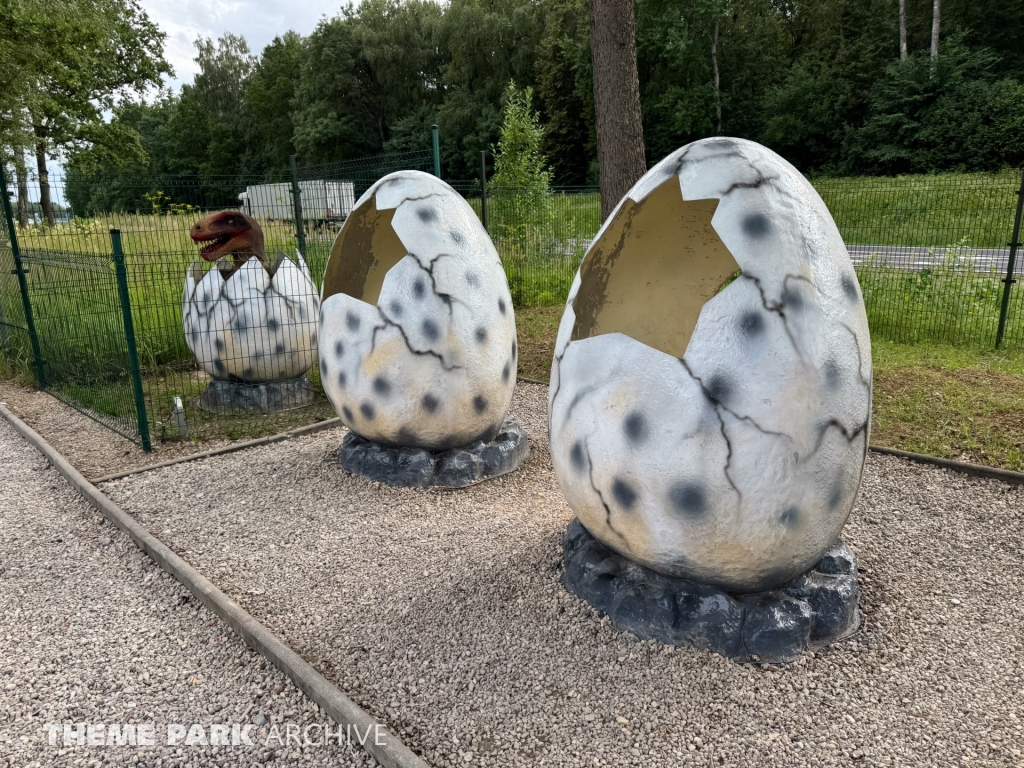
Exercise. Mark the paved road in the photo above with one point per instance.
(92, 632)
(919, 257)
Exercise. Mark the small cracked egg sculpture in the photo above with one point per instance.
(710, 392)
(248, 320)
(417, 332)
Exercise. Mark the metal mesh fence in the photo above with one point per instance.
(98, 319)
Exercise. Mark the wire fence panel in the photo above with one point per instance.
(116, 341)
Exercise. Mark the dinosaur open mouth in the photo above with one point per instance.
(214, 245)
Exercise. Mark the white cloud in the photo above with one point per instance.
(258, 22)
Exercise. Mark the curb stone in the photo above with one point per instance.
(391, 754)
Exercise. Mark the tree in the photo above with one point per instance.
(620, 137)
(269, 98)
(565, 90)
(903, 30)
(70, 62)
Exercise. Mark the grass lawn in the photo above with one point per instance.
(935, 399)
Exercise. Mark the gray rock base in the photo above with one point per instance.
(813, 610)
(229, 397)
(418, 468)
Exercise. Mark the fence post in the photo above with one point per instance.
(1011, 263)
(483, 187)
(437, 151)
(300, 232)
(129, 335)
(20, 271)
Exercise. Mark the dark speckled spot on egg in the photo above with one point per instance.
(381, 386)
(426, 214)
(688, 499)
(479, 403)
(472, 280)
(218, 365)
(419, 288)
(367, 410)
(836, 495)
(342, 379)
(352, 321)
(430, 403)
(850, 287)
(430, 329)
(396, 308)
(339, 348)
(719, 389)
(279, 349)
(790, 517)
(481, 334)
(272, 323)
(501, 306)
(623, 493)
(456, 236)
(833, 377)
(323, 369)
(792, 299)
(752, 324)
(756, 225)
(219, 344)
(514, 349)
(346, 413)
(635, 427)
(506, 371)
(576, 456)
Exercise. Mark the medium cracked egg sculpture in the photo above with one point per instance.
(710, 393)
(248, 320)
(417, 332)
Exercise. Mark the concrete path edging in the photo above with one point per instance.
(389, 752)
(288, 435)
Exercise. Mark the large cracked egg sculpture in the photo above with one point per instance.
(710, 392)
(418, 336)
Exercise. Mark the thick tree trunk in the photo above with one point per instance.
(935, 30)
(903, 30)
(22, 175)
(44, 177)
(717, 79)
(620, 133)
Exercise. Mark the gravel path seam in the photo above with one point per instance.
(442, 613)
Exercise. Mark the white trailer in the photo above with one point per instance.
(321, 200)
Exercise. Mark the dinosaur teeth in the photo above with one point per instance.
(214, 245)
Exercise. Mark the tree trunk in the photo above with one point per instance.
(903, 30)
(718, 91)
(44, 177)
(620, 133)
(22, 175)
(935, 30)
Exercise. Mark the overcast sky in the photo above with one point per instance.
(258, 22)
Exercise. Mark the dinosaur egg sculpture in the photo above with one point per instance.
(252, 327)
(710, 392)
(417, 332)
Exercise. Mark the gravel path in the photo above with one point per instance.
(91, 631)
(93, 449)
(442, 613)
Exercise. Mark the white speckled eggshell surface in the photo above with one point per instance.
(251, 327)
(433, 364)
(738, 464)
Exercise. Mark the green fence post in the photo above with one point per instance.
(483, 187)
(300, 231)
(129, 335)
(19, 270)
(437, 151)
(1011, 263)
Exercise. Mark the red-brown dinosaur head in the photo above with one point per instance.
(228, 232)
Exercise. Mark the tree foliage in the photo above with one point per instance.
(819, 81)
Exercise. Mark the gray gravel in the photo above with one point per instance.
(91, 631)
(442, 613)
(93, 449)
